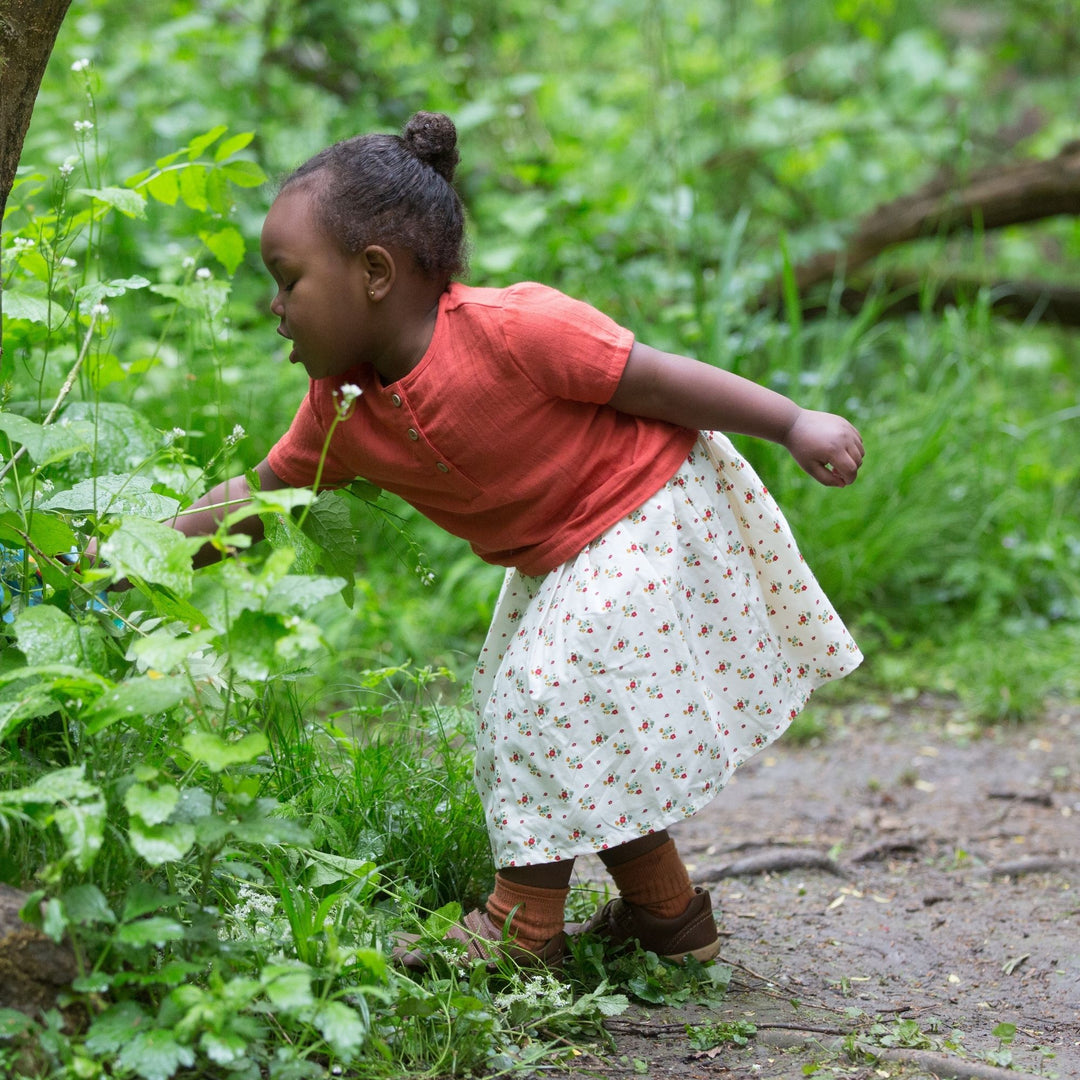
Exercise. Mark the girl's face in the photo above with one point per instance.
(321, 298)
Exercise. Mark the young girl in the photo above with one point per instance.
(657, 625)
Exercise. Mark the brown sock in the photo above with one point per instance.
(656, 881)
(539, 916)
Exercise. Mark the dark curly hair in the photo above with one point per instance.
(393, 190)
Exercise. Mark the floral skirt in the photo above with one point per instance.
(617, 694)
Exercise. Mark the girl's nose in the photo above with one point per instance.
(277, 305)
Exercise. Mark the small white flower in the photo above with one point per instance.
(100, 309)
(67, 169)
(80, 65)
(68, 263)
(46, 486)
(83, 126)
(23, 242)
(203, 274)
(188, 262)
(345, 397)
(171, 436)
(235, 435)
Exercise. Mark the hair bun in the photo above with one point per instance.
(432, 137)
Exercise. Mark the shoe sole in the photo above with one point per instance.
(702, 955)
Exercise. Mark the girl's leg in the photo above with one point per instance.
(649, 873)
(533, 899)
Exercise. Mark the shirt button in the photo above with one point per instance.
(442, 466)
(395, 400)
(413, 434)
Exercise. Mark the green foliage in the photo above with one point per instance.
(230, 788)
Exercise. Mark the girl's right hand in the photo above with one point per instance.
(826, 446)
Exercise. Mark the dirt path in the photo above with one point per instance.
(921, 887)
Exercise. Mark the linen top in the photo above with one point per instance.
(501, 433)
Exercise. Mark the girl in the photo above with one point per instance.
(656, 626)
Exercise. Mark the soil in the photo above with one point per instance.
(917, 885)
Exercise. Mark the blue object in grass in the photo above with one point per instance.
(17, 569)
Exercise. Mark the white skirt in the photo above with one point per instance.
(617, 694)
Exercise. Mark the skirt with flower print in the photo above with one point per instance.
(617, 694)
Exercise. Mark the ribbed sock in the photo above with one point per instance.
(656, 881)
(540, 912)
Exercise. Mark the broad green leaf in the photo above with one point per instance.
(165, 187)
(156, 1055)
(142, 898)
(164, 650)
(14, 1024)
(46, 635)
(324, 868)
(97, 291)
(47, 444)
(114, 493)
(156, 930)
(60, 785)
(115, 1027)
(151, 552)
(298, 592)
(233, 145)
(288, 986)
(223, 1048)
(202, 296)
(20, 305)
(243, 173)
(193, 187)
(135, 699)
(227, 246)
(86, 905)
(212, 750)
(341, 1027)
(253, 638)
(48, 534)
(82, 826)
(152, 805)
(130, 203)
(159, 844)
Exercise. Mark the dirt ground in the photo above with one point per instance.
(921, 887)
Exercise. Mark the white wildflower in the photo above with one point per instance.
(189, 262)
(171, 436)
(67, 169)
(80, 65)
(345, 397)
(68, 263)
(22, 242)
(203, 274)
(83, 126)
(235, 435)
(100, 309)
(46, 486)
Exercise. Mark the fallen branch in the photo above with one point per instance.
(768, 862)
(1035, 864)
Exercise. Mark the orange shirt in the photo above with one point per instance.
(500, 434)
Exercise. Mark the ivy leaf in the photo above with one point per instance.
(152, 552)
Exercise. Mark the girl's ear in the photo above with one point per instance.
(379, 270)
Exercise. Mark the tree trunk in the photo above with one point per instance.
(28, 30)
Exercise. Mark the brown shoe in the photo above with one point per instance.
(483, 941)
(693, 933)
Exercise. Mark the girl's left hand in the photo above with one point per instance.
(826, 446)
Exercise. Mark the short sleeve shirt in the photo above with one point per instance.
(502, 433)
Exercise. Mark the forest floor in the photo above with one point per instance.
(921, 888)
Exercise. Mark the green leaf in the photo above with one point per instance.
(137, 697)
(153, 805)
(159, 844)
(85, 905)
(201, 142)
(130, 203)
(298, 592)
(48, 534)
(288, 986)
(57, 786)
(82, 826)
(244, 174)
(201, 296)
(47, 444)
(47, 636)
(193, 187)
(14, 1024)
(233, 145)
(218, 754)
(115, 1027)
(97, 291)
(224, 1048)
(227, 246)
(156, 1055)
(341, 1027)
(164, 650)
(156, 930)
(114, 493)
(164, 186)
(20, 305)
(151, 552)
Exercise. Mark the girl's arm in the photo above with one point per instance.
(203, 516)
(686, 392)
